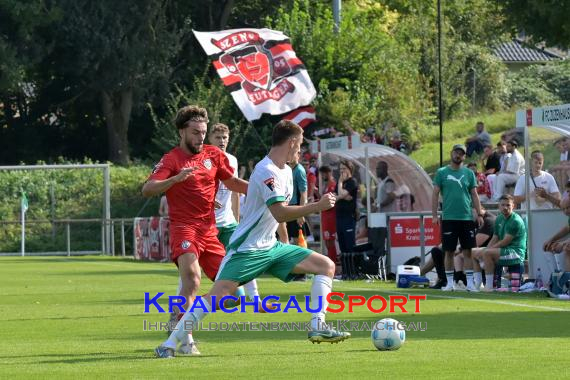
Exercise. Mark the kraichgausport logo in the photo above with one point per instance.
(336, 303)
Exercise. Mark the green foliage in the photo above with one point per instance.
(540, 85)
(545, 21)
(67, 194)
(469, 30)
(212, 94)
(363, 75)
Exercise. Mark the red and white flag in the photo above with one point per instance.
(260, 68)
(302, 116)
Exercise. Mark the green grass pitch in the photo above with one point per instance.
(83, 318)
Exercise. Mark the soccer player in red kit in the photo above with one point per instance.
(189, 176)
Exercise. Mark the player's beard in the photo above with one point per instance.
(457, 160)
(194, 148)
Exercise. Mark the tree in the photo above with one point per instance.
(117, 53)
(544, 20)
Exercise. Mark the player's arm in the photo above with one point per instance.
(435, 204)
(557, 236)
(284, 213)
(154, 187)
(493, 241)
(235, 205)
(236, 184)
(503, 243)
(302, 201)
(282, 232)
(477, 205)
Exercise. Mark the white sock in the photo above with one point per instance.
(449, 276)
(489, 281)
(322, 286)
(188, 339)
(477, 279)
(469, 275)
(180, 334)
(251, 290)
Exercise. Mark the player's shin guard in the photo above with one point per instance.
(322, 286)
(184, 326)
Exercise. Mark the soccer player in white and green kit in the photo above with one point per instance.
(227, 215)
(254, 249)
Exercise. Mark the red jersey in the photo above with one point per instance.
(192, 201)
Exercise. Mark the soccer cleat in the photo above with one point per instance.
(164, 352)
(188, 349)
(459, 286)
(472, 289)
(438, 285)
(328, 336)
(448, 288)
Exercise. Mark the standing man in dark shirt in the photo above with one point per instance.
(346, 212)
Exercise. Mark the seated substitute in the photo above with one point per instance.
(508, 244)
(558, 243)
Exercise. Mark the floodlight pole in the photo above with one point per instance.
(439, 87)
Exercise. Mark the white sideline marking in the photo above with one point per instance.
(550, 308)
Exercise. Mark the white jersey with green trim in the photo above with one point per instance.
(225, 215)
(268, 184)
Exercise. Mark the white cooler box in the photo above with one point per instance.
(408, 276)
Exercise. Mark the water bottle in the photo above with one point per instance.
(538, 283)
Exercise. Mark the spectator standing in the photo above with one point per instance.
(298, 198)
(347, 190)
(457, 186)
(328, 217)
(544, 191)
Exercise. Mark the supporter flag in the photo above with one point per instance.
(260, 68)
(302, 116)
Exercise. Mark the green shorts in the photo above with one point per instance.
(510, 256)
(225, 233)
(277, 261)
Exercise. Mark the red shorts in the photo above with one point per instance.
(328, 223)
(203, 242)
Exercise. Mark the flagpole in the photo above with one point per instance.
(23, 220)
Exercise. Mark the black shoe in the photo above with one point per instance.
(439, 284)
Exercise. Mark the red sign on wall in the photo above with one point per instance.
(405, 232)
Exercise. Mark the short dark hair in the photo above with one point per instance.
(536, 153)
(325, 169)
(514, 143)
(507, 197)
(283, 131)
(500, 143)
(472, 164)
(190, 113)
